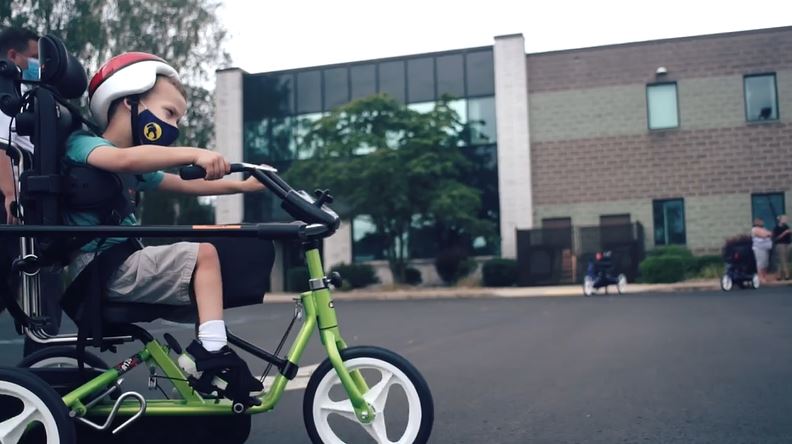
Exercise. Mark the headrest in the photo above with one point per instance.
(60, 69)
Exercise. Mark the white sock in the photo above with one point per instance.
(212, 335)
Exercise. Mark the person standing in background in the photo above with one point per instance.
(762, 244)
(20, 46)
(782, 237)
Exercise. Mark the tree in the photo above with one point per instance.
(396, 165)
(186, 33)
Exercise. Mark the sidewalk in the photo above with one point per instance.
(416, 293)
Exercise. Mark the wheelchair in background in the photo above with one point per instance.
(600, 274)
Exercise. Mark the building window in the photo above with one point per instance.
(422, 107)
(609, 220)
(761, 98)
(557, 222)
(481, 117)
(767, 206)
(451, 75)
(480, 73)
(269, 140)
(661, 106)
(309, 91)
(669, 221)
(367, 244)
(303, 125)
(615, 229)
(420, 80)
(391, 79)
(336, 87)
(268, 95)
(364, 80)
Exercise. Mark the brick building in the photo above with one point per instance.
(723, 156)
(690, 136)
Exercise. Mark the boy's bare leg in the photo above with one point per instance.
(208, 284)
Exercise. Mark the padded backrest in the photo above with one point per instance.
(49, 120)
(60, 69)
(41, 184)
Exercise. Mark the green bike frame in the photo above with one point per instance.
(319, 312)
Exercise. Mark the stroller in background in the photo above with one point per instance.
(740, 264)
(600, 274)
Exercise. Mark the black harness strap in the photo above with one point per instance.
(83, 299)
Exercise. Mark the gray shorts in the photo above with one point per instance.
(153, 275)
(762, 258)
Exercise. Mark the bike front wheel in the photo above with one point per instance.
(395, 387)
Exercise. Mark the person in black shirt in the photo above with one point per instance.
(782, 237)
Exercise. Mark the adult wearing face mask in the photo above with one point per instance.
(20, 46)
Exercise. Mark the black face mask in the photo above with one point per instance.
(148, 129)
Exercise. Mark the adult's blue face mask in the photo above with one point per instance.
(32, 72)
(150, 129)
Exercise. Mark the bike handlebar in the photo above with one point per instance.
(297, 203)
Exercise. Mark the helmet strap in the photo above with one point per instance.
(134, 101)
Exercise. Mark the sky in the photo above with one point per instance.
(274, 35)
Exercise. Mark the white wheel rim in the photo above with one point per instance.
(755, 281)
(377, 397)
(588, 286)
(622, 284)
(58, 362)
(726, 282)
(34, 409)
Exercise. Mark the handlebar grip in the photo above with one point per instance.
(192, 172)
(196, 172)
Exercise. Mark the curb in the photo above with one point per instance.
(504, 293)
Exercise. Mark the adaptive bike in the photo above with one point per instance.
(65, 394)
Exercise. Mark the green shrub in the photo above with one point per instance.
(297, 279)
(357, 275)
(499, 273)
(453, 264)
(670, 250)
(663, 268)
(710, 271)
(707, 262)
(412, 276)
(682, 254)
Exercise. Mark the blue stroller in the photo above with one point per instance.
(600, 274)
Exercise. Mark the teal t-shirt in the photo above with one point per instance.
(78, 147)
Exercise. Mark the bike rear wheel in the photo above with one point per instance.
(31, 412)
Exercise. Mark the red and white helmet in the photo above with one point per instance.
(124, 75)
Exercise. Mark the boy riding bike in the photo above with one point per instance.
(137, 100)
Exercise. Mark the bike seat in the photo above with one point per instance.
(129, 312)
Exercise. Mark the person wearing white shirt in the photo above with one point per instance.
(21, 47)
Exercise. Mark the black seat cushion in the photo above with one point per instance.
(124, 313)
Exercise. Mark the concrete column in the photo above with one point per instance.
(338, 247)
(514, 145)
(228, 137)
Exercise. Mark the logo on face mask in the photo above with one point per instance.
(149, 128)
(152, 131)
